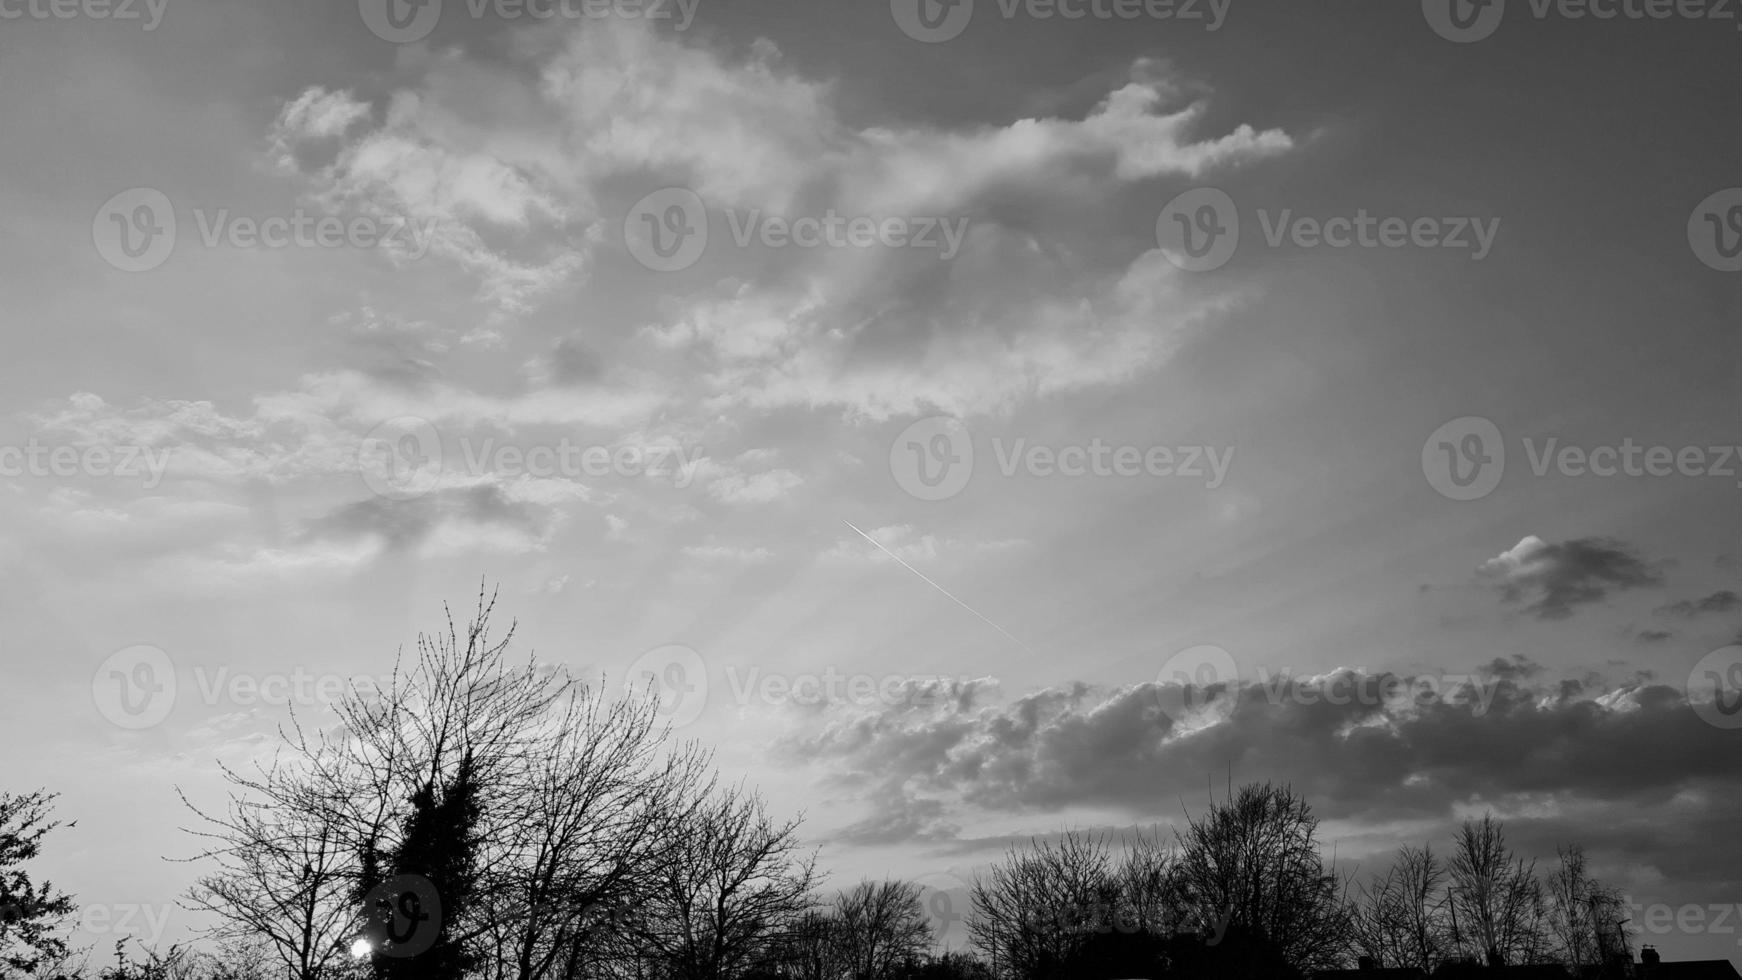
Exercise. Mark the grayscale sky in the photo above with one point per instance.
(565, 328)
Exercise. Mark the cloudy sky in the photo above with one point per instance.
(989, 372)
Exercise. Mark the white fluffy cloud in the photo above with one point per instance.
(525, 168)
(516, 165)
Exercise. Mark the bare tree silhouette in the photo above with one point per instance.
(881, 927)
(1496, 900)
(1401, 919)
(732, 883)
(1584, 915)
(1253, 864)
(574, 804)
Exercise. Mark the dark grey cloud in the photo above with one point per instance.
(1551, 580)
(392, 348)
(408, 523)
(1718, 602)
(1409, 748)
(1515, 668)
(902, 819)
(570, 361)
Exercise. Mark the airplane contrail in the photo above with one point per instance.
(922, 577)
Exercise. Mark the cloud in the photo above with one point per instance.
(1009, 321)
(744, 132)
(392, 347)
(1419, 754)
(754, 488)
(421, 163)
(526, 163)
(1718, 602)
(141, 523)
(444, 521)
(1132, 134)
(315, 115)
(1551, 580)
(570, 361)
(237, 567)
(1516, 668)
(316, 428)
(904, 820)
(916, 731)
(523, 168)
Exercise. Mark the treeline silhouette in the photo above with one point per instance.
(486, 818)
